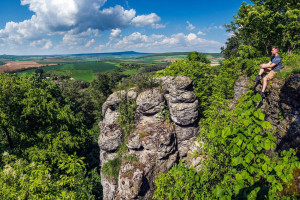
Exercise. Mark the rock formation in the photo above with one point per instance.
(166, 126)
(240, 88)
(282, 109)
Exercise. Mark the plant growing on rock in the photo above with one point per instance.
(126, 120)
(239, 161)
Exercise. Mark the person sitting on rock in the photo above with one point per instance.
(270, 68)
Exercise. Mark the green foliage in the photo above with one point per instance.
(111, 168)
(196, 56)
(291, 66)
(178, 183)
(240, 161)
(138, 81)
(267, 23)
(198, 72)
(232, 46)
(20, 179)
(43, 123)
(31, 115)
(248, 52)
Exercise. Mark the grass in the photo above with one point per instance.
(1, 62)
(130, 71)
(85, 75)
(111, 168)
(292, 66)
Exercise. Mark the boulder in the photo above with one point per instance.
(150, 102)
(184, 113)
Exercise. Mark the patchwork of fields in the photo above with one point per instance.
(79, 70)
(83, 67)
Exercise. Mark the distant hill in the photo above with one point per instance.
(113, 53)
(178, 53)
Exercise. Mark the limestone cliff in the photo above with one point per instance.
(156, 143)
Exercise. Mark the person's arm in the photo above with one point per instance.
(269, 65)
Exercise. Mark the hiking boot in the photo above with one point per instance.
(257, 78)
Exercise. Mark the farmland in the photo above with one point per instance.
(85, 66)
(13, 66)
(78, 70)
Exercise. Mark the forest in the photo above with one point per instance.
(49, 130)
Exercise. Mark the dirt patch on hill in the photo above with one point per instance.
(55, 60)
(169, 59)
(19, 65)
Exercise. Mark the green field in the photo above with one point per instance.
(83, 67)
(80, 71)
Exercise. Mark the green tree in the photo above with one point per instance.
(38, 125)
(267, 23)
(196, 56)
(232, 46)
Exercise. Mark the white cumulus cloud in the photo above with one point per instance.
(62, 17)
(147, 20)
(115, 33)
(42, 44)
(176, 42)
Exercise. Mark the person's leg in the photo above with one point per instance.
(261, 71)
(265, 83)
(270, 76)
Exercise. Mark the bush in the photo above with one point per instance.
(200, 57)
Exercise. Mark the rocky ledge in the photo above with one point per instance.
(166, 127)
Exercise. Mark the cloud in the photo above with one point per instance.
(147, 20)
(190, 26)
(201, 33)
(219, 27)
(175, 42)
(75, 38)
(90, 43)
(58, 17)
(42, 44)
(115, 33)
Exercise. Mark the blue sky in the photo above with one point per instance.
(87, 26)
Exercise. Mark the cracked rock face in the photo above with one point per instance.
(282, 108)
(155, 144)
(240, 88)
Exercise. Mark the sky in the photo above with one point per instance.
(43, 27)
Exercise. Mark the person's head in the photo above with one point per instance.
(275, 50)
